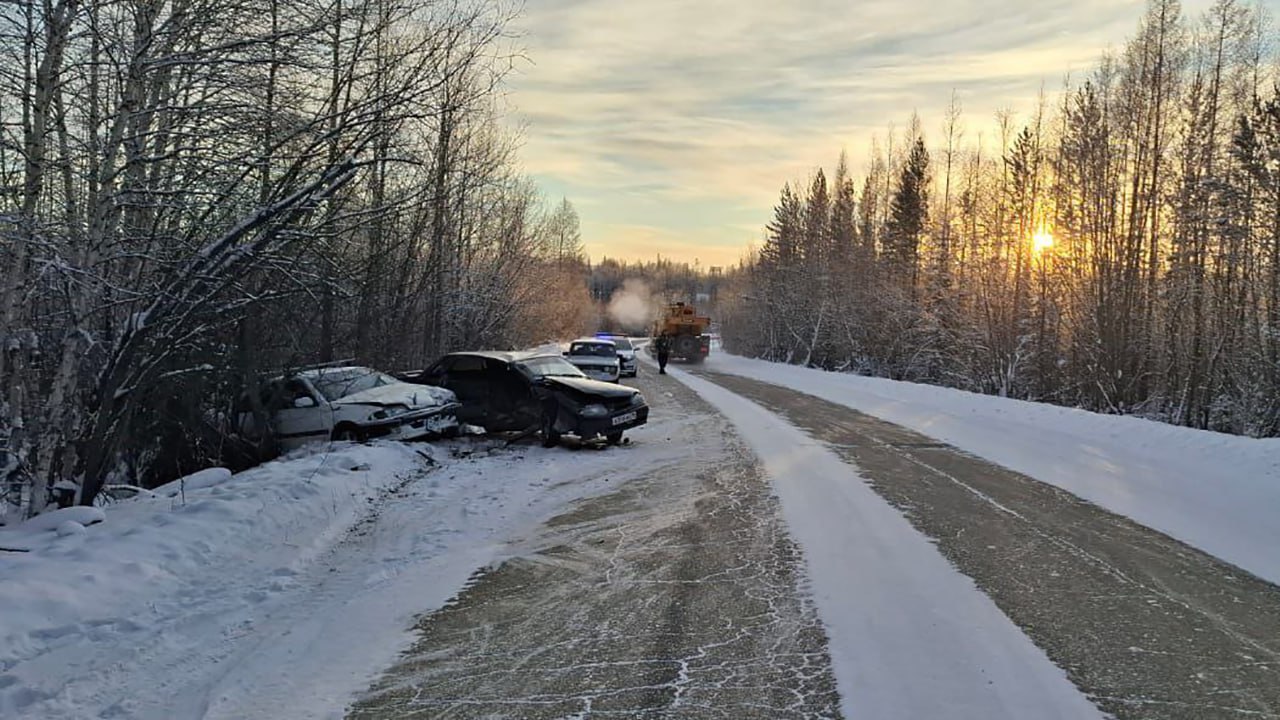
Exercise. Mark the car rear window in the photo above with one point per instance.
(466, 363)
(550, 367)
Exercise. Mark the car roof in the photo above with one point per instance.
(507, 356)
(317, 372)
(525, 357)
(503, 355)
(594, 340)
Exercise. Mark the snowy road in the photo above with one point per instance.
(794, 558)
(1146, 626)
(676, 595)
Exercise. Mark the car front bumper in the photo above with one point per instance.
(632, 417)
(601, 374)
(428, 422)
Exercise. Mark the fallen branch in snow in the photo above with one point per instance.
(523, 434)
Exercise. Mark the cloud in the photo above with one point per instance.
(684, 117)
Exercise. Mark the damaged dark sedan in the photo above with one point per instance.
(505, 392)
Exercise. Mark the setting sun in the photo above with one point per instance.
(1042, 240)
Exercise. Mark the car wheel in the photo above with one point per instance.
(614, 438)
(348, 433)
(550, 438)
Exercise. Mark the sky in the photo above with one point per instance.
(671, 125)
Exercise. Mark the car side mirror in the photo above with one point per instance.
(304, 402)
(565, 353)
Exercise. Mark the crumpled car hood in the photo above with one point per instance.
(593, 387)
(412, 396)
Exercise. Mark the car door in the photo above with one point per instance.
(512, 405)
(299, 414)
(465, 376)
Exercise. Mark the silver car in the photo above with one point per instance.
(597, 358)
(349, 403)
(628, 365)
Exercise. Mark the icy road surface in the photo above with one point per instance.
(676, 595)
(1219, 493)
(1146, 626)
(682, 595)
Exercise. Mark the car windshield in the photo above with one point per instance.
(594, 349)
(550, 366)
(338, 384)
(622, 343)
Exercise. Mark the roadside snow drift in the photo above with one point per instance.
(52, 520)
(1219, 493)
(151, 560)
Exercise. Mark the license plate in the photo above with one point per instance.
(624, 419)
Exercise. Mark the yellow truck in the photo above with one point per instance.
(687, 331)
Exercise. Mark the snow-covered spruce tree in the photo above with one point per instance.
(779, 295)
(909, 213)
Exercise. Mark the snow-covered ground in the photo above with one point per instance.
(288, 586)
(1219, 493)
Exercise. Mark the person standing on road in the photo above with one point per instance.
(663, 346)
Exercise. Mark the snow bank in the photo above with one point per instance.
(153, 558)
(194, 481)
(51, 521)
(1219, 493)
(69, 528)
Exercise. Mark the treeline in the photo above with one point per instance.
(1119, 251)
(196, 192)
